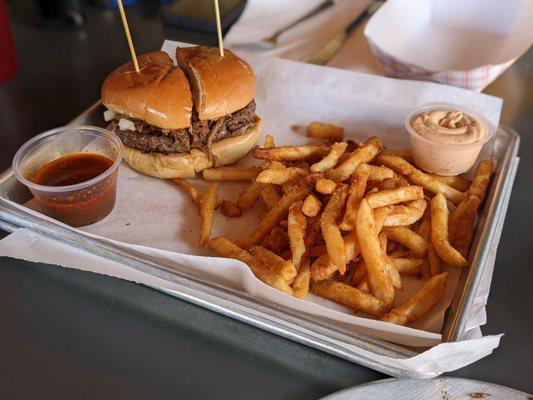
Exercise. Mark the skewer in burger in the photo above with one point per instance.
(176, 121)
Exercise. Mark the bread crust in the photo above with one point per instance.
(220, 85)
(160, 94)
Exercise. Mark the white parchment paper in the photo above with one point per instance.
(157, 218)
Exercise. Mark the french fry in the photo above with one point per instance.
(325, 186)
(229, 209)
(424, 229)
(408, 266)
(330, 230)
(383, 241)
(231, 173)
(357, 192)
(364, 286)
(393, 183)
(439, 232)
(421, 302)
(461, 224)
(250, 195)
(481, 180)
(329, 132)
(281, 267)
(297, 225)
(300, 286)
(190, 189)
(349, 296)
(377, 262)
(208, 203)
(331, 159)
(380, 215)
(402, 153)
(225, 248)
(270, 196)
(275, 215)
(364, 154)
(269, 142)
(287, 187)
(387, 197)
(311, 206)
(324, 268)
(279, 175)
(420, 178)
(456, 182)
(406, 237)
(434, 262)
(379, 173)
(402, 215)
(290, 153)
(277, 240)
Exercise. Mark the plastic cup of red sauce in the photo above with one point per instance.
(71, 172)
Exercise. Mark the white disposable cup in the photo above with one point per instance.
(442, 158)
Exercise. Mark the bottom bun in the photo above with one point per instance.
(187, 165)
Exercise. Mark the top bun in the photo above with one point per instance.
(220, 85)
(159, 95)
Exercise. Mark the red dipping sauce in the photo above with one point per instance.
(86, 205)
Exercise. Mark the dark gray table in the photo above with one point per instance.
(69, 334)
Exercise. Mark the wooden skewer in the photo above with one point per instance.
(219, 29)
(128, 35)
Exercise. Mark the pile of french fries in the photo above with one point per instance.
(347, 222)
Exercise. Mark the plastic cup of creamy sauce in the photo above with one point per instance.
(446, 139)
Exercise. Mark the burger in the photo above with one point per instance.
(175, 121)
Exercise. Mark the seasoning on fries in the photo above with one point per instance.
(290, 153)
(329, 132)
(331, 159)
(376, 260)
(190, 189)
(297, 225)
(439, 233)
(417, 177)
(418, 305)
(461, 224)
(270, 196)
(455, 182)
(274, 216)
(208, 203)
(481, 180)
(325, 186)
(231, 173)
(264, 272)
(349, 222)
(407, 238)
(330, 230)
(394, 196)
(229, 208)
(311, 206)
(349, 296)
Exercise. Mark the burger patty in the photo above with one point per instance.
(200, 135)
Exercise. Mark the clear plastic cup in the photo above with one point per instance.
(78, 204)
(443, 158)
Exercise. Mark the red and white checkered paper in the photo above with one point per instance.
(475, 79)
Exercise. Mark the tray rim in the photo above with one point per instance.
(292, 327)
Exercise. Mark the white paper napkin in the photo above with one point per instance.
(302, 41)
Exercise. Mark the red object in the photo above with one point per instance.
(8, 58)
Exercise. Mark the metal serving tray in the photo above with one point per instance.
(273, 317)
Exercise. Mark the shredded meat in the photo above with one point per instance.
(200, 135)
